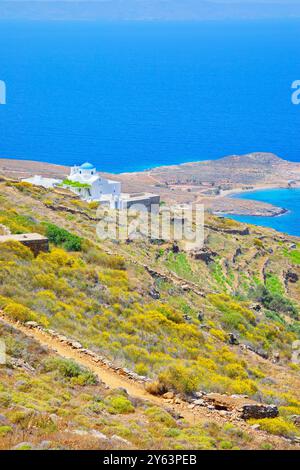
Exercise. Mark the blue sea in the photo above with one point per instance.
(130, 96)
(286, 198)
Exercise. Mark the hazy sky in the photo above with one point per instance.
(149, 9)
(228, 2)
(282, 2)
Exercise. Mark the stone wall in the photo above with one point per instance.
(37, 246)
(36, 242)
(147, 201)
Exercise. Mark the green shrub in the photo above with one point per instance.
(141, 369)
(274, 301)
(273, 284)
(5, 399)
(70, 370)
(226, 445)
(172, 432)
(22, 418)
(19, 312)
(293, 255)
(75, 184)
(158, 415)
(275, 317)
(236, 315)
(18, 223)
(235, 371)
(85, 378)
(94, 255)
(295, 328)
(5, 430)
(179, 378)
(120, 405)
(61, 237)
(266, 446)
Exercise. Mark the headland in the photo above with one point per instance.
(212, 183)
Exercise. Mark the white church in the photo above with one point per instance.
(90, 186)
(86, 182)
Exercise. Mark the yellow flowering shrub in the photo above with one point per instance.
(278, 426)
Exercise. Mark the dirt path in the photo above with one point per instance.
(113, 380)
(106, 375)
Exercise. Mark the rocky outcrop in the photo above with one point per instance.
(233, 340)
(291, 277)
(259, 352)
(18, 363)
(200, 316)
(205, 255)
(256, 307)
(258, 411)
(154, 294)
(175, 248)
(235, 406)
(296, 420)
(237, 253)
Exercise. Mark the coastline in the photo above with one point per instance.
(277, 211)
(228, 203)
(284, 221)
(215, 183)
(236, 191)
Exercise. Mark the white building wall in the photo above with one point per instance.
(99, 187)
(38, 180)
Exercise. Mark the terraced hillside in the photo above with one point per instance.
(223, 320)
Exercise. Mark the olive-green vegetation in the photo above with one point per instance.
(61, 237)
(75, 184)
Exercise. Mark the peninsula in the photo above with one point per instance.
(208, 182)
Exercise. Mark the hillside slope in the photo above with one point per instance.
(221, 320)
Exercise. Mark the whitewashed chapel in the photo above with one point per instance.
(89, 185)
